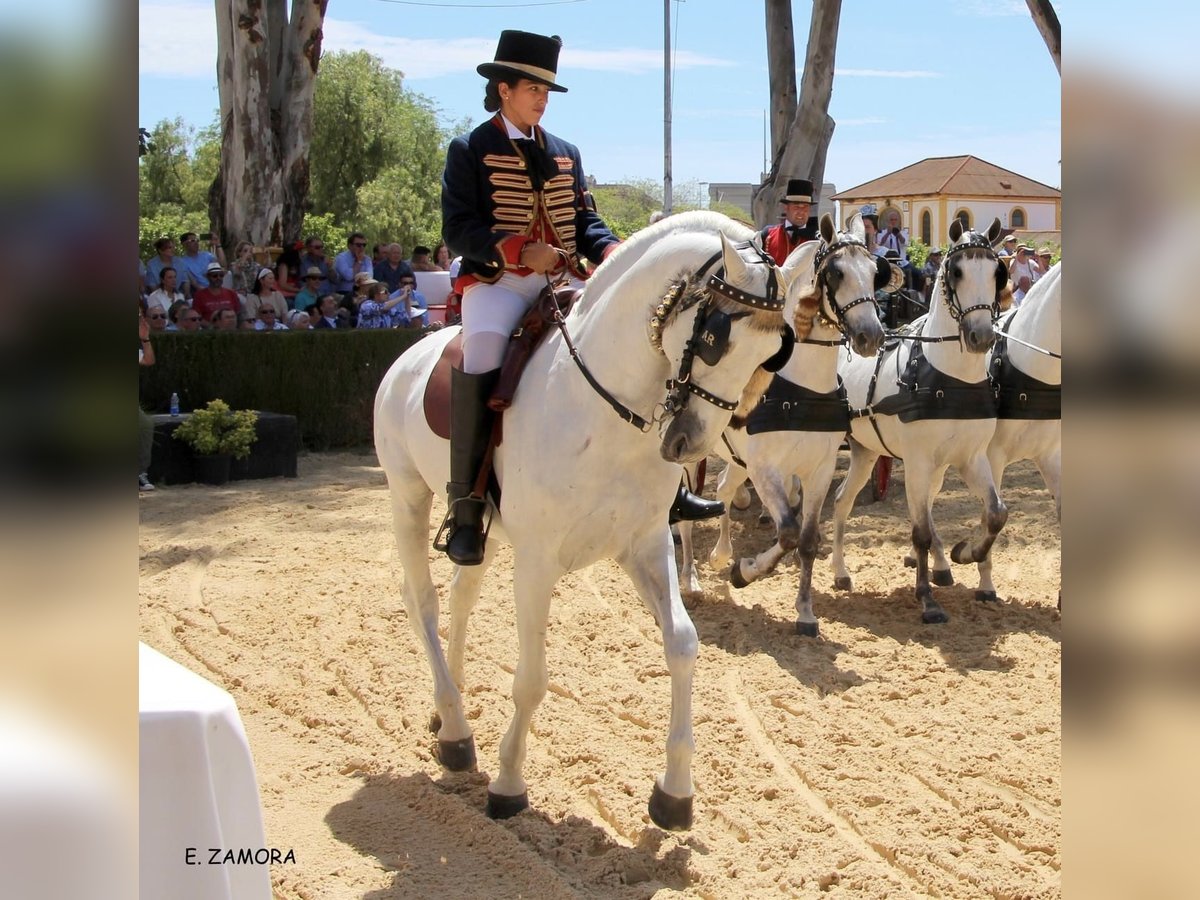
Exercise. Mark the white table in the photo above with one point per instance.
(197, 788)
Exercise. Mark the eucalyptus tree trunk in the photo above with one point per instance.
(799, 147)
(1046, 20)
(266, 72)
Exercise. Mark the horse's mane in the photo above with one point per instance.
(632, 249)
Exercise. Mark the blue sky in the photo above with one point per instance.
(912, 80)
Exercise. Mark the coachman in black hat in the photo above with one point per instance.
(797, 226)
(514, 206)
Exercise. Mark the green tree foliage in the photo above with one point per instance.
(165, 170)
(377, 151)
(323, 226)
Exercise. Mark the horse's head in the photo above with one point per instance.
(973, 283)
(835, 282)
(722, 334)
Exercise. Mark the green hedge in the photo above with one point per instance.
(326, 379)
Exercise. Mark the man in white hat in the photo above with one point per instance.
(310, 291)
(1023, 272)
(214, 295)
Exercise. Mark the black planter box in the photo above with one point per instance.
(272, 455)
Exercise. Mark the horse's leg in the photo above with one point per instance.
(940, 573)
(689, 579)
(815, 489)
(650, 568)
(411, 503)
(1050, 466)
(464, 594)
(773, 491)
(533, 583)
(918, 481)
(862, 463)
(978, 476)
(732, 478)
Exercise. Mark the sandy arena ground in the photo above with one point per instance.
(885, 759)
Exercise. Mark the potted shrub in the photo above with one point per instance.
(216, 435)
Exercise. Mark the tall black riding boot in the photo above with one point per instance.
(690, 508)
(470, 428)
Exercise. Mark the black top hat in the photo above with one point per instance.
(798, 191)
(532, 56)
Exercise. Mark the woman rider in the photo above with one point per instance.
(513, 206)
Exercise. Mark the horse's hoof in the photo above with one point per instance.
(670, 813)
(735, 576)
(842, 583)
(500, 806)
(457, 756)
(986, 596)
(808, 629)
(958, 553)
(934, 617)
(942, 577)
(909, 562)
(435, 723)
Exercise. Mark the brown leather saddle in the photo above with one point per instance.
(524, 340)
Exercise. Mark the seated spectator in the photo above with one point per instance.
(287, 272)
(414, 309)
(378, 254)
(267, 320)
(141, 279)
(264, 291)
(364, 285)
(392, 268)
(441, 257)
(244, 269)
(193, 264)
(421, 262)
(327, 313)
(379, 310)
(165, 256)
(224, 320)
(350, 262)
(933, 262)
(214, 296)
(299, 320)
(310, 293)
(1008, 246)
(314, 256)
(156, 317)
(165, 294)
(183, 318)
(1044, 257)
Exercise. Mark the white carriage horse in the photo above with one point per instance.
(926, 399)
(1026, 373)
(800, 424)
(677, 304)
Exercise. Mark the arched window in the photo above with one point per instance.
(964, 216)
(1016, 218)
(926, 228)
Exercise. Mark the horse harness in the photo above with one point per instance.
(709, 340)
(925, 391)
(1018, 395)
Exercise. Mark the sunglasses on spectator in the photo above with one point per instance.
(156, 316)
(318, 247)
(269, 311)
(312, 277)
(360, 243)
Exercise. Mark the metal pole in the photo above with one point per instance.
(667, 199)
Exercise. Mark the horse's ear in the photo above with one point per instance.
(828, 233)
(956, 230)
(993, 232)
(855, 226)
(735, 267)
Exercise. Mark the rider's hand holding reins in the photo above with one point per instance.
(539, 256)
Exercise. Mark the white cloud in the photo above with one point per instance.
(886, 73)
(177, 40)
(165, 28)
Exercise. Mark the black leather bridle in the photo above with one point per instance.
(974, 241)
(709, 340)
(836, 317)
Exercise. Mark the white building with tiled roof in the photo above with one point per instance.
(929, 194)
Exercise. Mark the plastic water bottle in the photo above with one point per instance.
(174, 404)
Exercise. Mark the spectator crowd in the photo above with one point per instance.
(302, 289)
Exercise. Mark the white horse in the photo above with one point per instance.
(933, 412)
(841, 276)
(677, 304)
(1026, 366)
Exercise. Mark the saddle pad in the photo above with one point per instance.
(789, 407)
(437, 389)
